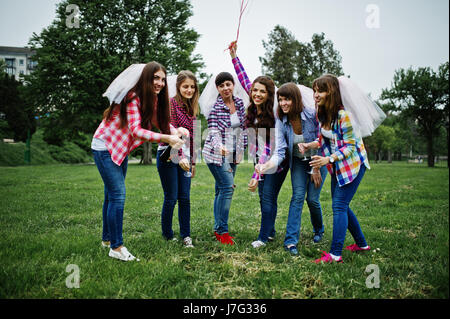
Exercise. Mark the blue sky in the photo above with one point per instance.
(411, 33)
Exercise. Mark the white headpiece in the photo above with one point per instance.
(307, 98)
(172, 85)
(123, 83)
(209, 95)
(364, 113)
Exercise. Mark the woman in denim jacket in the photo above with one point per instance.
(297, 124)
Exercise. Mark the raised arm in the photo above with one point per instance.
(240, 71)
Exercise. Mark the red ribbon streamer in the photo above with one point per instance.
(242, 9)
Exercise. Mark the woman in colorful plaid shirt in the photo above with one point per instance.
(260, 124)
(175, 183)
(126, 124)
(346, 160)
(224, 149)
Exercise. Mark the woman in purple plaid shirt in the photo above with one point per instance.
(224, 149)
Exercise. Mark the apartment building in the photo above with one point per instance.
(18, 61)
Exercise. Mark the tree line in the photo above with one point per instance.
(76, 63)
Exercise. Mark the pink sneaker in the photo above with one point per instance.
(355, 247)
(326, 258)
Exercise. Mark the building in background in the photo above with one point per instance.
(17, 60)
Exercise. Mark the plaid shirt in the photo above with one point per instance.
(121, 141)
(264, 152)
(350, 150)
(220, 132)
(179, 117)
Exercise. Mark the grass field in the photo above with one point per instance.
(51, 218)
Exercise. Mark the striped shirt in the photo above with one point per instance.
(121, 141)
(179, 117)
(350, 150)
(220, 132)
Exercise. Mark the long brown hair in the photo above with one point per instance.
(328, 83)
(266, 118)
(192, 103)
(291, 91)
(145, 91)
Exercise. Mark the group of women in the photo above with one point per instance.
(281, 132)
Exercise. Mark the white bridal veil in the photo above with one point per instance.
(364, 113)
(124, 82)
(209, 95)
(307, 98)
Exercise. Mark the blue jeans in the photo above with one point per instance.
(343, 216)
(301, 186)
(224, 189)
(268, 190)
(113, 177)
(176, 187)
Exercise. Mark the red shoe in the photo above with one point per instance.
(355, 247)
(227, 239)
(327, 259)
(218, 237)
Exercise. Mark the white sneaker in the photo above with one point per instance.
(123, 254)
(258, 243)
(187, 241)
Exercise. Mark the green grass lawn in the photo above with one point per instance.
(51, 217)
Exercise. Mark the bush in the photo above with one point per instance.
(42, 153)
(68, 153)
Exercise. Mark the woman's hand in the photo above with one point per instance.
(223, 151)
(252, 185)
(174, 141)
(319, 161)
(316, 178)
(183, 131)
(233, 48)
(262, 168)
(303, 147)
(184, 164)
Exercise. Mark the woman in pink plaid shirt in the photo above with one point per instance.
(174, 180)
(125, 126)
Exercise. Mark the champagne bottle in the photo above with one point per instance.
(166, 153)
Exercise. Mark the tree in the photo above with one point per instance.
(19, 116)
(288, 60)
(281, 54)
(382, 140)
(420, 95)
(444, 84)
(79, 55)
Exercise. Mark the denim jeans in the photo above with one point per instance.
(268, 189)
(303, 186)
(113, 177)
(176, 187)
(343, 216)
(224, 189)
